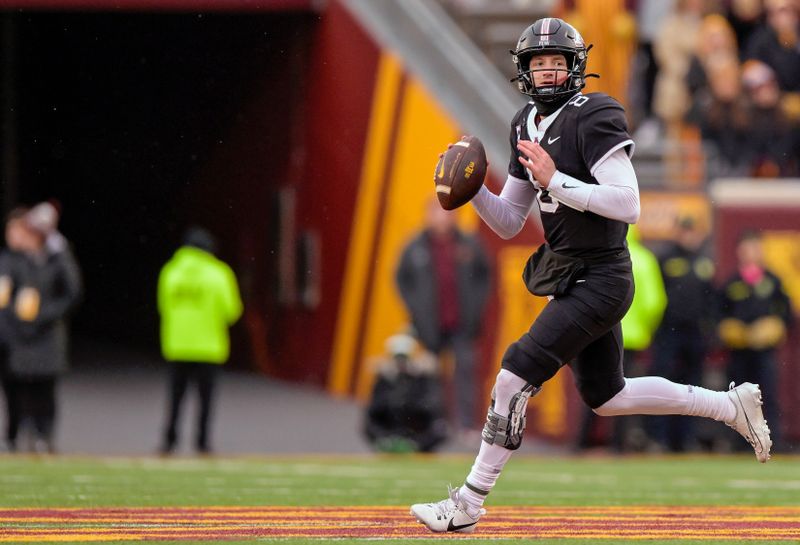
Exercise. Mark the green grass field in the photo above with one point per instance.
(390, 484)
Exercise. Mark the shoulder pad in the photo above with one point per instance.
(600, 104)
(602, 100)
(597, 102)
(521, 115)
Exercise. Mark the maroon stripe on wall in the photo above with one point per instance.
(326, 172)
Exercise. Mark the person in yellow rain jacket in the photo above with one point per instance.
(198, 300)
(638, 327)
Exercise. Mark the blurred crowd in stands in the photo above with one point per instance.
(731, 71)
(717, 79)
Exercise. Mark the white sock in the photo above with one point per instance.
(656, 395)
(485, 471)
(491, 458)
(711, 404)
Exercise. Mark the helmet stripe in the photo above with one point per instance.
(544, 36)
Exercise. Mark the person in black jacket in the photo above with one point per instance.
(680, 344)
(444, 278)
(755, 315)
(406, 408)
(14, 236)
(45, 287)
(777, 42)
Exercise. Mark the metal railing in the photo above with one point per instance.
(452, 67)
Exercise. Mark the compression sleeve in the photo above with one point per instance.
(615, 196)
(506, 213)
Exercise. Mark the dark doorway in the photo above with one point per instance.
(120, 116)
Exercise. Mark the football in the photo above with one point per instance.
(460, 172)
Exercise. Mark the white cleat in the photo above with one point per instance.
(448, 515)
(749, 421)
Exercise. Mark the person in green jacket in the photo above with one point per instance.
(198, 301)
(638, 327)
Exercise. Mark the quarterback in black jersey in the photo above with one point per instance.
(570, 155)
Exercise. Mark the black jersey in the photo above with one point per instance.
(588, 129)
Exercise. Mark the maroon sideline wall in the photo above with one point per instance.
(340, 86)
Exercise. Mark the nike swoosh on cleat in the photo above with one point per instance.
(551, 140)
(453, 528)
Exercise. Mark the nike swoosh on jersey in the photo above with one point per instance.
(551, 140)
(452, 527)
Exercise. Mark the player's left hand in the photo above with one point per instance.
(537, 160)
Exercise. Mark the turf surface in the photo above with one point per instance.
(570, 499)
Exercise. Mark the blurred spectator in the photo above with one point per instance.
(638, 326)
(14, 236)
(755, 314)
(774, 133)
(777, 43)
(673, 48)
(198, 300)
(649, 16)
(443, 277)
(722, 114)
(716, 47)
(406, 410)
(45, 285)
(680, 345)
(745, 16)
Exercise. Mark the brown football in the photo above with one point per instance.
(460, 172)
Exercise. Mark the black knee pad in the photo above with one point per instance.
(596, 393)
(528, 360)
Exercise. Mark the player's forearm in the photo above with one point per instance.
(506, 213)
(616, 202)
(615, 196)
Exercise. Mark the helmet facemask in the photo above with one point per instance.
(550, 36)
(573, 82)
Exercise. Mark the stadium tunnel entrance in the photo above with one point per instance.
(129, 119)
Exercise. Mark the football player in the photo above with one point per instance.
(570, 154)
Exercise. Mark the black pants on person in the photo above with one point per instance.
(33, 400)
(679, 353)
(181, 374)
(11, 394)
